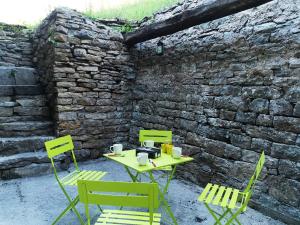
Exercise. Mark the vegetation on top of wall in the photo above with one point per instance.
(18, 29)
(134, 11)
(11, 28)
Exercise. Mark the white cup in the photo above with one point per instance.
(148, 143)
(177, 152)
(116, 148)
(142, 158)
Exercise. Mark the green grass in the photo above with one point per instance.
(135, 11)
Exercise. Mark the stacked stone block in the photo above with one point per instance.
(87, 77)
(15, 46)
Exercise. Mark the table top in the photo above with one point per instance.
(128, 158)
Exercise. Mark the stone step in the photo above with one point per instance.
(30, 101)
(23, 159)
(24, 106)
(4, 119)
(26, 128)
(10, 75)
(27, 164)
(16, 145)
(11, 90)
(23, 100)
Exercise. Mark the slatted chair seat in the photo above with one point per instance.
(72, 178)
(232, 201)
(112, 193)
(223, 196)
(127, 217)
(60, 146)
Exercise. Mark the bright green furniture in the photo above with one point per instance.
(129, 161)
(158, 136)
(59, 146)
(232, 201)
(113, 194)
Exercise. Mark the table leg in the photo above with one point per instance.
(169, 178)
(133, 177)
(162, 199)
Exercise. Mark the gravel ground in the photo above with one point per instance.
(38, 200)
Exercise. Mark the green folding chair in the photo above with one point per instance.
(59, 146)
(146, 196)
(158, 136)
(232, 201)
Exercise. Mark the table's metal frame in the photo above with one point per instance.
(162, 201)
(135, 176)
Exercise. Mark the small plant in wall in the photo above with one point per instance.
(126, 28)
(50, 39)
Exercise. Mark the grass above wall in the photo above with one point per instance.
(135, 11)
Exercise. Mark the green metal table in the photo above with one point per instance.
(129, 161)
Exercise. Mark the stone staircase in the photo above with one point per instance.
(24, 123)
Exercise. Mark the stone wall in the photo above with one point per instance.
(87, 75)
(228, 89)
(15, 45)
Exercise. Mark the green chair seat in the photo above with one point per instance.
(231, 200)
(72, 178)
(59, 146)
(226, 197)
(113, 193)
(127, 217)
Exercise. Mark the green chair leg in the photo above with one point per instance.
(162, 199)
(70, 207)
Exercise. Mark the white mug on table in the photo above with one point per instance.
(142, 158)
(148, 143)
(177, 152)
(116, 148)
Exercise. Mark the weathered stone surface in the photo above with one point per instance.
(67, 116)
(293, 94)
(25, 76)
(240, 140)
(258, 145)
(289, 169)
(282, 151)
(81, 52)
(264, 120)
(232, 152)
(287, 124)
(247, 118)
(297, 110)
(260, 105)
(284, 190)
(280, 107)
(87, 68)
(4, 111)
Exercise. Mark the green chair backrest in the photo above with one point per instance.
(96, 192)
(158, 136)
(58, 146)
(257, 172)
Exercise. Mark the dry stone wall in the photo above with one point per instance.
(228, 89)
(15, 46)
(87, 75)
